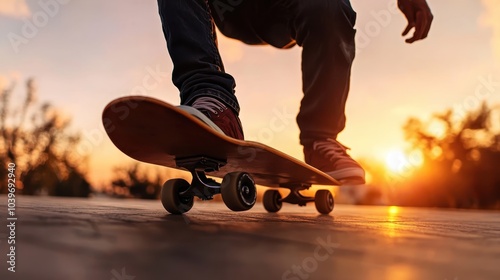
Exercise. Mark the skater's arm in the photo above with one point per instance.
(419, 16)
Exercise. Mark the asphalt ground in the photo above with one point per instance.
(100, 238)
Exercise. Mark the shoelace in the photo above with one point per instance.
(209, 104)
(331, 149)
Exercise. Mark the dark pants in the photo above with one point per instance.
(323, 28)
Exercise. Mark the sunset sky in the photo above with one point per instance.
(89, 52)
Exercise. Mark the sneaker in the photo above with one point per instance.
(216, 115)
(331, 157)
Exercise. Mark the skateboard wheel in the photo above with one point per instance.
(238, 191)
(272, 201)
(324, 201)
(171, 199)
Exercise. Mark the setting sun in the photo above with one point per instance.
(398, 161)
(393, 210)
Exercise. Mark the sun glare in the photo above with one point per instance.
(395, 160)
(393, 210)
(398, 161)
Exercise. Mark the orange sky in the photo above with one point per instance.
(89, 52)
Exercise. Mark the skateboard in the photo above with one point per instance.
(156, 132)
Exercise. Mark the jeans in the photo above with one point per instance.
(323, 28)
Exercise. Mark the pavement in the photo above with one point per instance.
(101, 238)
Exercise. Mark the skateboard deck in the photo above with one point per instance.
(156, 132)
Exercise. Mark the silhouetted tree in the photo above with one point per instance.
(136, 182)
(36, 138)
(461, 161)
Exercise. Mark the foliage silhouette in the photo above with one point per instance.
(461, 161)
(36, 138)
(138, 182)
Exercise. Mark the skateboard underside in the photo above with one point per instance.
(155, 132)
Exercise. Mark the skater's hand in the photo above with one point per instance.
(419, 16)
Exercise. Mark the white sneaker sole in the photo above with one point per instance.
(196, 113)
(353, 174)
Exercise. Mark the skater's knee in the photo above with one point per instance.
(328, 14)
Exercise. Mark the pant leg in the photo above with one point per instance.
(191, 41)
(325, 30)
(254, 22)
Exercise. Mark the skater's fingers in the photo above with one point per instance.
(408, 28)
(422, 27)
(419, 26)
(422, 22)
(428, 22)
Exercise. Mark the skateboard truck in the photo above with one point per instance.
(273, 201)
(294, 197)
(204, 163)
(237, 188)
(201, 186)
